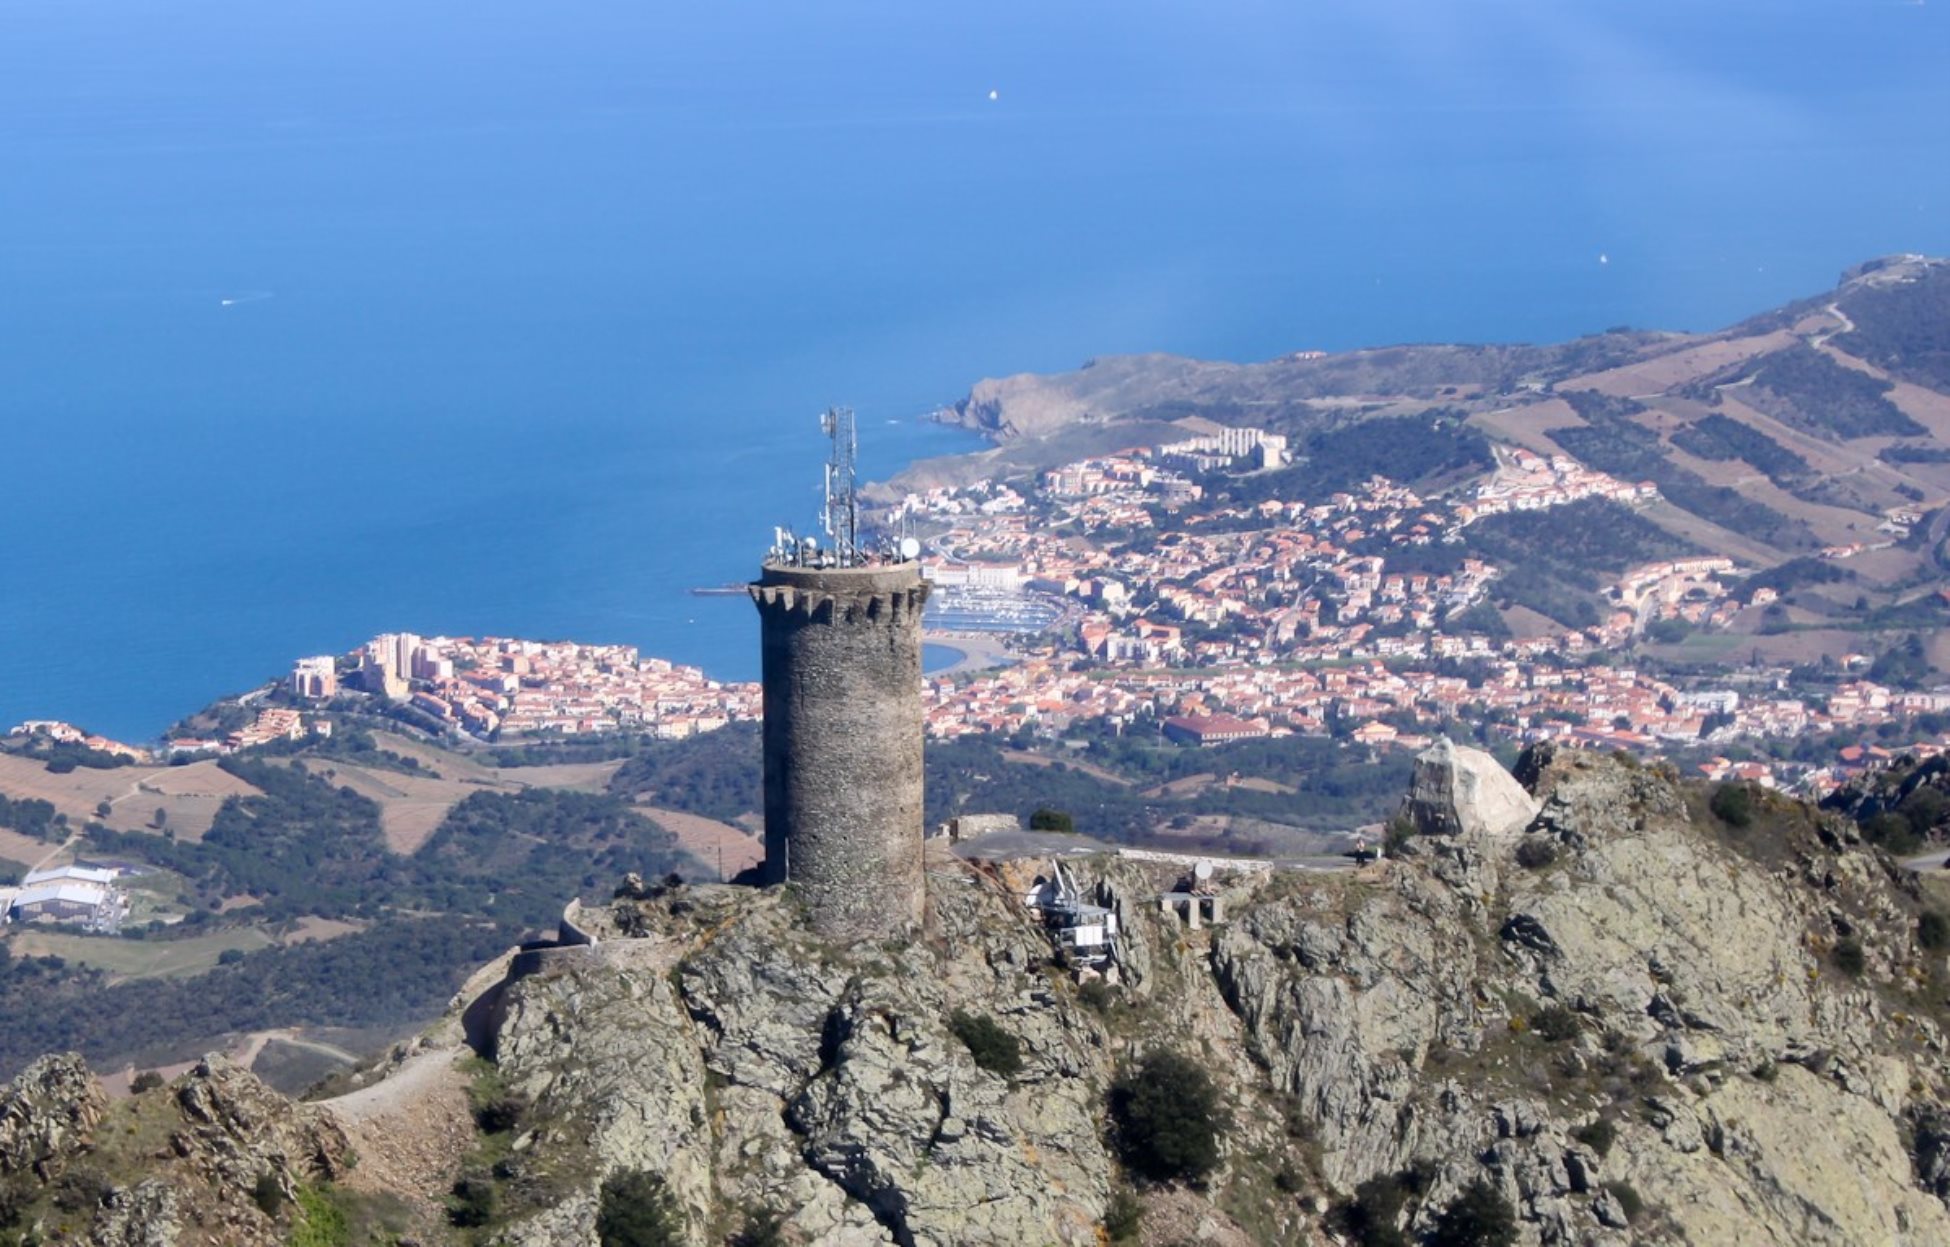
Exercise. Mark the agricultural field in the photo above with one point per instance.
(125, 959)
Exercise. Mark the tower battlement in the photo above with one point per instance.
(850, 595)
(840, 628)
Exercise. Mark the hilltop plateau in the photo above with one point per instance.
(1613, 1008)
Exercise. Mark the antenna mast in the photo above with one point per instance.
(841, 518)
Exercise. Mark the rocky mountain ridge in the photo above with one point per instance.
(1627, 1020)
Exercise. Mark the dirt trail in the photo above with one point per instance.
(410, 1129)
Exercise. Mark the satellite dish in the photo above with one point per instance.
(910, 548)
(1202, 871)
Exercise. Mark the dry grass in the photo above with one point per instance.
(75, 794)
(1708, 536)
(1876, 568)
(1656, 376)
(1023, 757)
(572, 776)
(1189, 786)
(18, 848)
(189, 795)
(1525, 623)
(449, 764)
(140, 959)
(1529, 425)
(705, 838)
(1254, 783)
(1926, 407)
(315, 930)
(411, 807)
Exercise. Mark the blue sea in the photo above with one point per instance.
(320, 321)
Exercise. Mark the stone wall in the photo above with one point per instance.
(843, 732)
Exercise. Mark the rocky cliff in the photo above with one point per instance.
(1626, 1020)
(215, 1158)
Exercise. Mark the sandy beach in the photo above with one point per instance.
(979, 651)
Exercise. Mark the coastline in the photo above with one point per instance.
(980, 651)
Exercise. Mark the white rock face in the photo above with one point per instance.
(1461, 791)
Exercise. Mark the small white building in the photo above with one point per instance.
(71, 895)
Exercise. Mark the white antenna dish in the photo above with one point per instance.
(910, 548)
(1202, 871)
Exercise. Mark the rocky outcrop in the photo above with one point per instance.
(1649, 1033)
(1457, 791)
(1636, 1036)
(765, 1069)
(234, 1130)
(48, 1116)
(1648, 977)
(190, 1164)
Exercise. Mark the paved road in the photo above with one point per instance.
(1926, 861)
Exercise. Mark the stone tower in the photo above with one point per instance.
(843, 729)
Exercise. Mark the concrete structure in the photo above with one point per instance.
(1194, 909)
(974, 826)
(75, 895)
(386, 665)
(843, 732)
(315, 678)
(1212, 729)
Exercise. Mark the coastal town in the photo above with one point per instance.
(1287, 616)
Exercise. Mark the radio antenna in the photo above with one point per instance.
(841, 518)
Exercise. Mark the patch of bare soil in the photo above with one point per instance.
(411, 1128)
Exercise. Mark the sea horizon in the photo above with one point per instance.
(322, 325)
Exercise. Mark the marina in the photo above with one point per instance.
(968, 609)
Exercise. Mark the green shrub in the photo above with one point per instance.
(638, 1210)
(1373, 1217)
(1169, 1119)
(1733, 804)
(1479, 1217)
(500, 1113)
(1848, 957)
(1046, 819)
(1629, 1201)
(993, 1048)
(472, 1202)
(1536, 852)
(1598, 1135)
(320, 1221)
(1555, 1024)
(1396, 839)
(147, 1080)
(1097, 995)
(1933, 930)
(1891, 831)
(1123, 1217)
(268, 1194)
(764, 1228)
